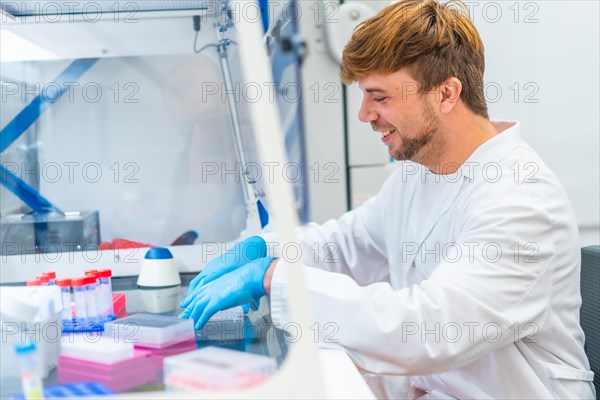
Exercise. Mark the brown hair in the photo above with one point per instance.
(433, 41)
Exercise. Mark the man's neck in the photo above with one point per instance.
(459, 140)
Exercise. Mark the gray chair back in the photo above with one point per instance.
(590, 307)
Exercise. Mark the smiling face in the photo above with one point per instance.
(406, 119)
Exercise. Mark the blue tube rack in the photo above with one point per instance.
(86, 324)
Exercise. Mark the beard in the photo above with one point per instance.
(411, 147)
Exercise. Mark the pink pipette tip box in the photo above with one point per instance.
(119, 376)
(157, 355)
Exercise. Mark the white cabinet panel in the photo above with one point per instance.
(366, 181)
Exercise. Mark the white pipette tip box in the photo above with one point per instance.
(100, 349)
(147, 330)
(216, 368)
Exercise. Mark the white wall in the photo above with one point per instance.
(542, 63)
(547, 52)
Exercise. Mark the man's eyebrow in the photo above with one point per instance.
(375, 90)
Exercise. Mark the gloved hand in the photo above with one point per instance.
(250, 249)
(240, 286)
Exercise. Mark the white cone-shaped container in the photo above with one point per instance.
(159, 269)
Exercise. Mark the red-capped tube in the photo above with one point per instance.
(79, 298)
(65, 282)
(105, 273)
(76, 282)
(105, 293)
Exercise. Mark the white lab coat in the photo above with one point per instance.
(467, 284)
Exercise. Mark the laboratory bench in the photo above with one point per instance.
(255, 334)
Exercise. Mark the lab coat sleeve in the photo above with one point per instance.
(352, 245)
(474, 302)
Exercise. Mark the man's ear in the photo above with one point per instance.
(450, 91)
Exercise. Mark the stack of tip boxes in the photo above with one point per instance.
(128, 354)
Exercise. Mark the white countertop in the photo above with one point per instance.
(341, 377)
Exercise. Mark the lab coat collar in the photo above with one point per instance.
(494, 149)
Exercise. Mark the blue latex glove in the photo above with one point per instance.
(241, 286)
(242, 253)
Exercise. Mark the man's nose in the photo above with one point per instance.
(366, 113)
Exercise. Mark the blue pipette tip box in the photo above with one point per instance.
(147, 330)
(71, 390)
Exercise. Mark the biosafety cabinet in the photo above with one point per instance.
(128, 125)
(132, 124)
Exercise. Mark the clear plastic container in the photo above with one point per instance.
(148, 330)
(65, 292)
(31, 378)
(32, 312)
(235, 314)
(225, 325)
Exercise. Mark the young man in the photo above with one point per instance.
(460, 279)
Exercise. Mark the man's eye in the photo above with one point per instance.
(379, 99)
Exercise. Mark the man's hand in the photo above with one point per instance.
(250, 249)
(240, 286)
